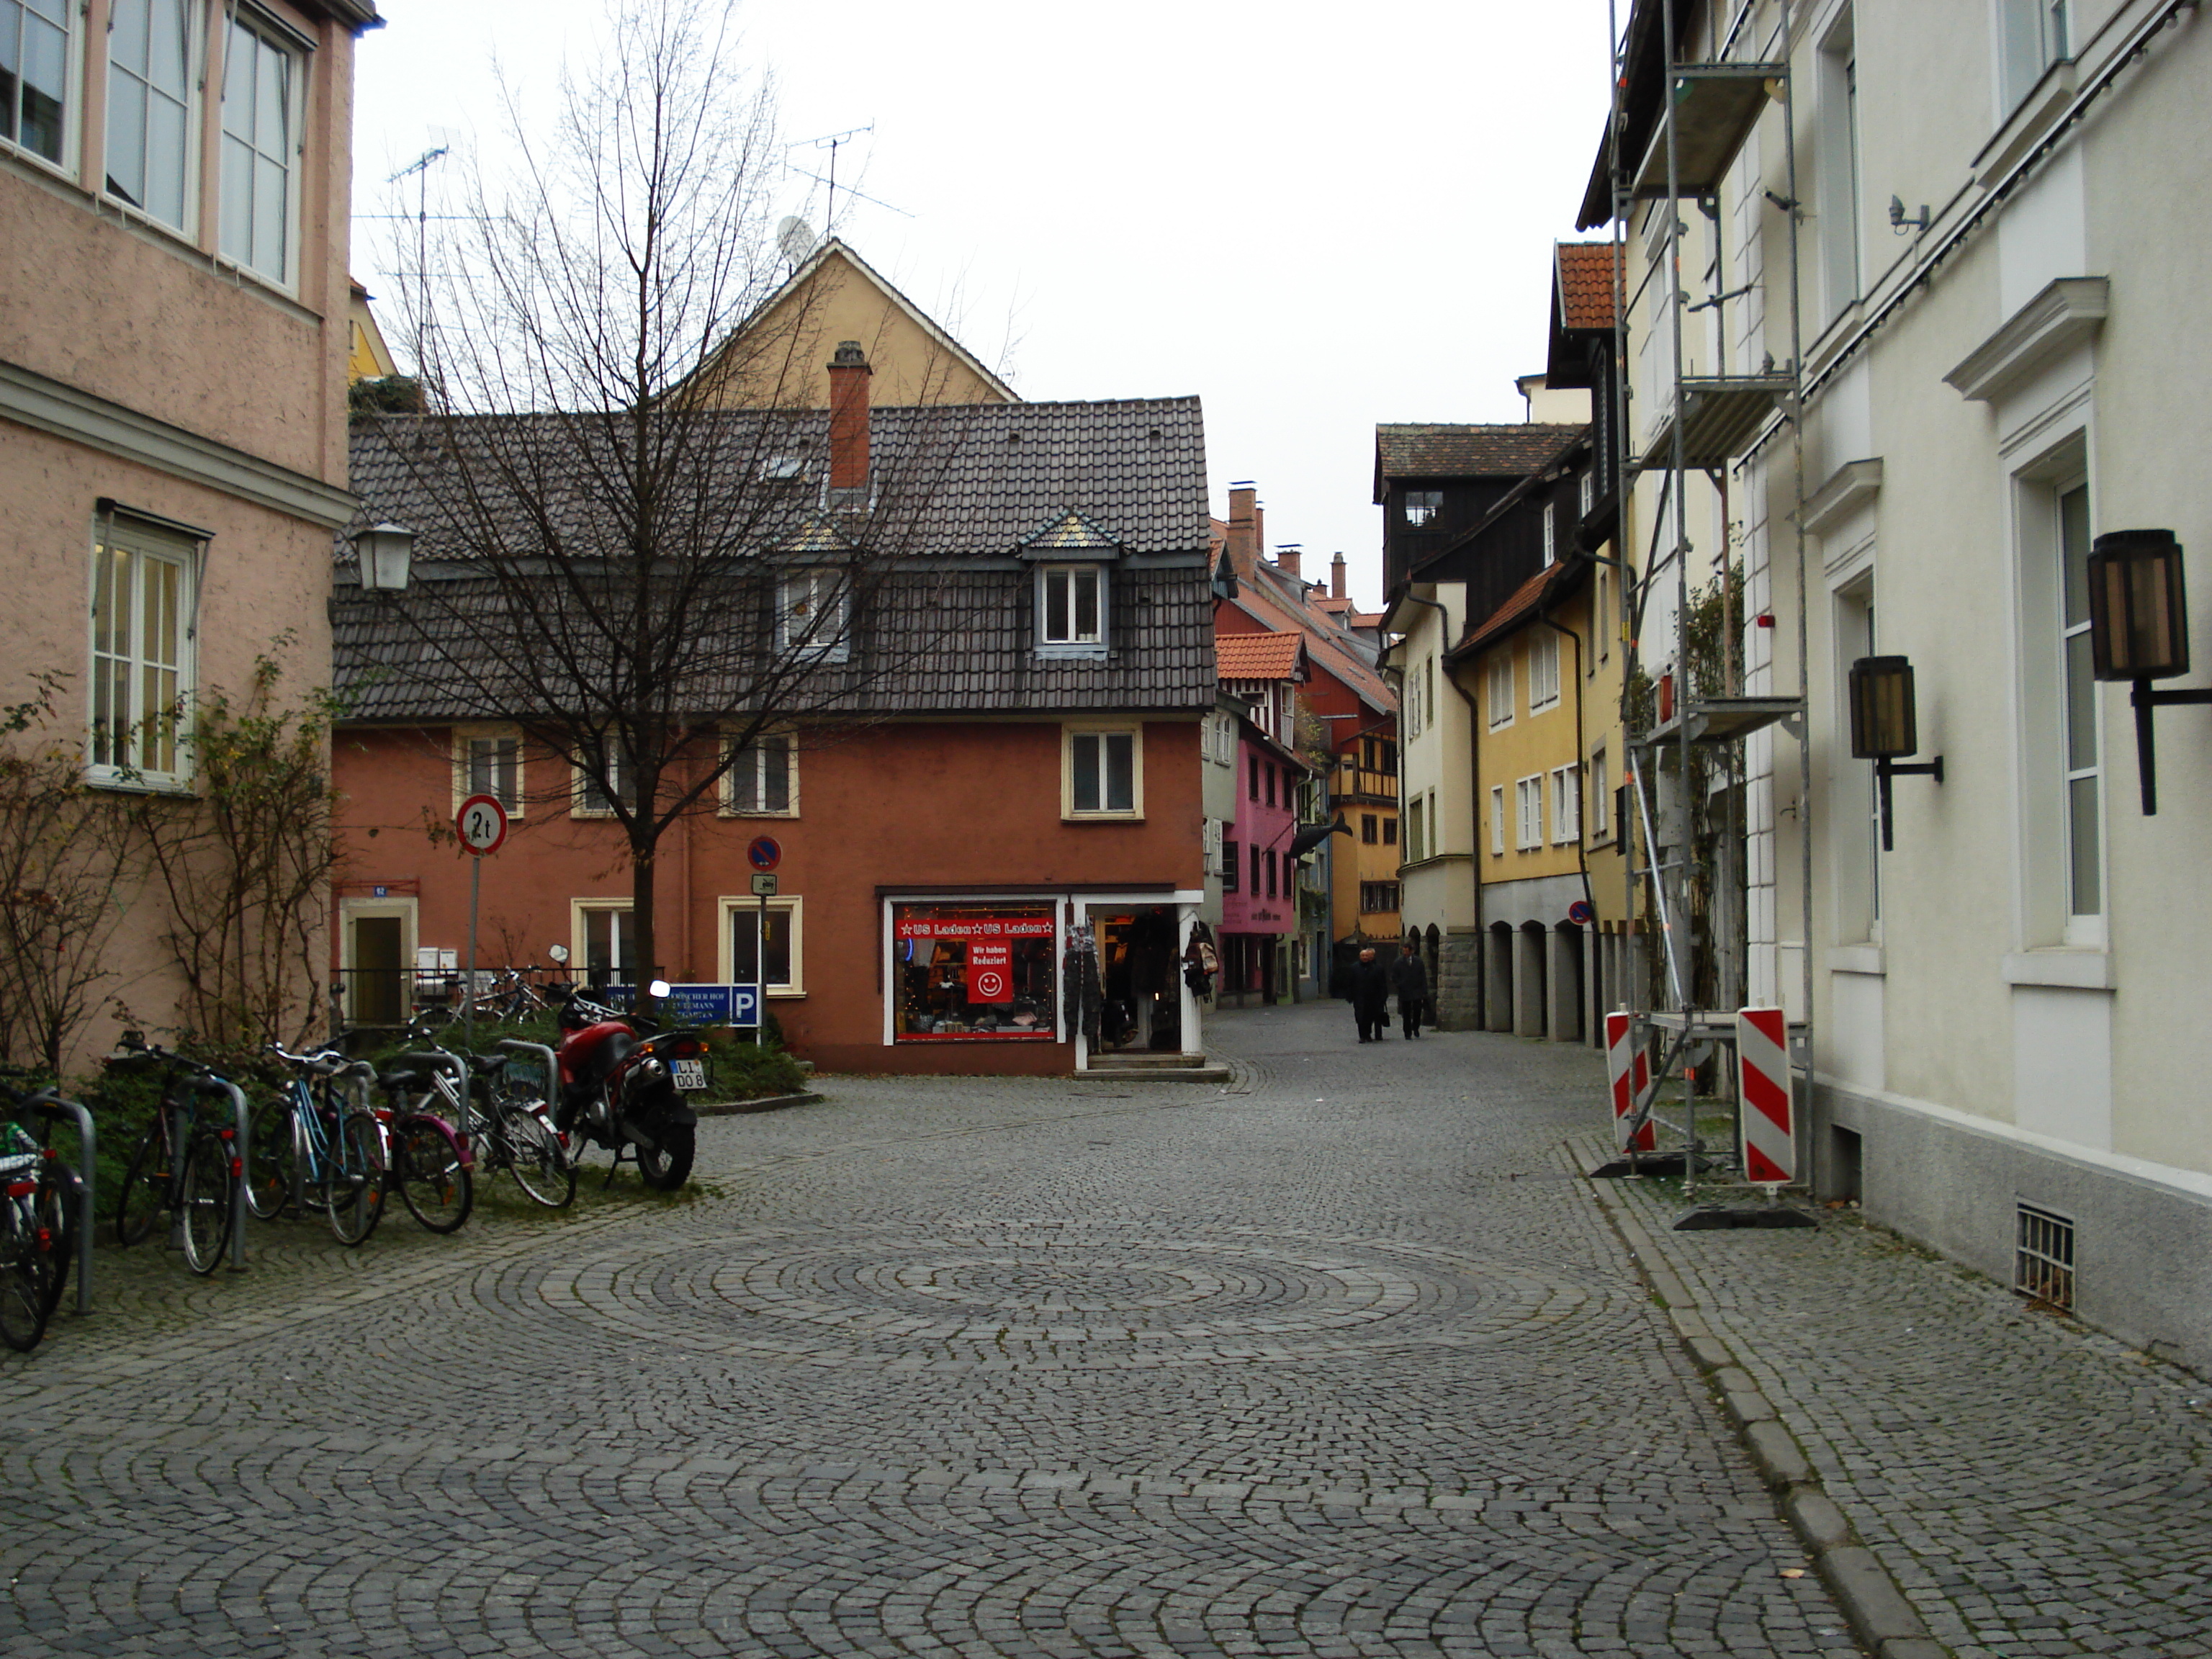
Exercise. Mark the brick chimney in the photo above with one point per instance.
(1244, 543)
(1336, 577)
(848, 416)
(1288, 557)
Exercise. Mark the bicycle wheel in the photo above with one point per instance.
(353, 1178)
(434, 1183)
(22, 1308)
(534, 1157)
(269, 1157)
(56, 1208)
(205, 1192)
(146, 1187)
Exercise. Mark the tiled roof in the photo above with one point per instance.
(1070, 534)
(961, 491)
(1258, 656)
(1516, 609)
(1468, 451)
(1336, 658)
(1585, 285)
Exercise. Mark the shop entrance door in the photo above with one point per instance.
(1140, 969)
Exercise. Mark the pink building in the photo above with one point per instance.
(175, 181)
(1259, 874)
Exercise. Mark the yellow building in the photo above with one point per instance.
(778, 357)
(368, 358)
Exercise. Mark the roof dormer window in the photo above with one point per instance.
(1072, 606)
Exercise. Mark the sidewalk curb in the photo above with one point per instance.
(1884, 1620)
(766, 1103)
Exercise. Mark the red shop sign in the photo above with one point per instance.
(991, 971)
(974, 927)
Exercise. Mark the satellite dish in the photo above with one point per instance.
(796, 238)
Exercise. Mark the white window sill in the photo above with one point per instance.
(2081, 970)
(1857, 959)
(1064, 652)
(1102, 817)
(135, 784)
(735, 812)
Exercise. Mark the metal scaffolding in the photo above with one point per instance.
(1707, 109)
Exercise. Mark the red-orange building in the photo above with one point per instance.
(1028, 770)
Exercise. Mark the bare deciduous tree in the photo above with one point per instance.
(633, 543)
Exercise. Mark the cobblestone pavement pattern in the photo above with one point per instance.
(1335, 1360)
(2033, 1488)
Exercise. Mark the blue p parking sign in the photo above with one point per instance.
(745, 1005)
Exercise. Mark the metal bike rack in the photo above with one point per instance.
(552, 1069)
(241, 1115)
(56, 1108)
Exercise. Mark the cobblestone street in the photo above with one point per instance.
(1339, 1359)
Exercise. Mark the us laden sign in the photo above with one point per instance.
(990, 971)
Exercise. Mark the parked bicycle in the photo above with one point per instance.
(502, 1120)
(59, 1202)
(430, 1162)
(320, 1147)
(186, 1165)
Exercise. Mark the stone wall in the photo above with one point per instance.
(1458, 990)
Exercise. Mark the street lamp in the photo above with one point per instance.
(2139, 631)
(1885, 727)
(386, 554)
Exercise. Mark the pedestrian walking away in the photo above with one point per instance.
(1410, 979)
(1370, 996)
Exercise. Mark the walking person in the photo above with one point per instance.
(1370, 996)
(1410, 979)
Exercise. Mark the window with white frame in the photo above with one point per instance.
(2032, 35)
(1838, 211)
(34, 90)
(2062, 794)
(1209, 845)
(488, 761)
(762, 781)
(1543, 669)
(813, 614)
(1413, 705)
(152, 89)
(596, 791)
(1071, 607)
(1601, 813)
(2081, 748)
(1528, 800)
(1497, 820)
(776, 938)
(1498, 696)
(1102, 772)
(1416, 840)
(261, 82)
(1586, 491)
(142, 592)
(1566, 803)
(605, 940)
(1551, 534)
(1857, 844)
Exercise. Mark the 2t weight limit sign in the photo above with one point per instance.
(481, 824)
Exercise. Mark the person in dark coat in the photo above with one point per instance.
(1410, 979)
(1370, 996)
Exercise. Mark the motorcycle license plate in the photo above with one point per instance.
(690, 1075)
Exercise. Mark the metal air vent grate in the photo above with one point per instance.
(2043, 1256)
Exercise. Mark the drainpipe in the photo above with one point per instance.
(1475, 768)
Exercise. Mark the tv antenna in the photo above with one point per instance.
(833, 141)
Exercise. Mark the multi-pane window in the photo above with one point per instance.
(812, 612)
(761, 778)
(1551, 535)
(1371, 830)
(1497, 820)
(754, 937)
(1389, 832)
(1256, 872)
(610, 938)
(1102, 773)
(1566, 803)
(1251, 777)
(150, 130)
(1528, 800)
(1498, 697)
(1837, 160)
(597, 790)
(2035, 35)
(1073, 605)
(1601, 801)
(142, 596)
(1543, 670)
(1422, 507)
(1268, 773)
(1231, 868)
(261, 147)
(34, 74)
(2084, 770)
(1416, 839)
(493, 766)
(1268, 864)
(1378, 897)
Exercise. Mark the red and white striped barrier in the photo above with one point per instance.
(1768, 1115)
(1625, 1065)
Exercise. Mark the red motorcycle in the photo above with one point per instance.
(626, 1091)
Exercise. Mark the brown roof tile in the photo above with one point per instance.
(1258, 656)
(1468, 452)
(1586, 285)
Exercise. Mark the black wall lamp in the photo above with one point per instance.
(1885, 728)
(2139, 631)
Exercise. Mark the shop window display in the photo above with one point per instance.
(972, 973)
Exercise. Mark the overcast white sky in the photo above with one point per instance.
(1316, 218)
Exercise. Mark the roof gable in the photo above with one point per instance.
(1070, 536)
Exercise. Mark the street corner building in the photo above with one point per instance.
(975, 771)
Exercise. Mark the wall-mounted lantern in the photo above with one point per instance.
(1885, 727)
(2139, 631)
(386, 554)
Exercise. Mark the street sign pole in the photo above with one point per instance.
(764, 888)
(468, 979)
(482, 825)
